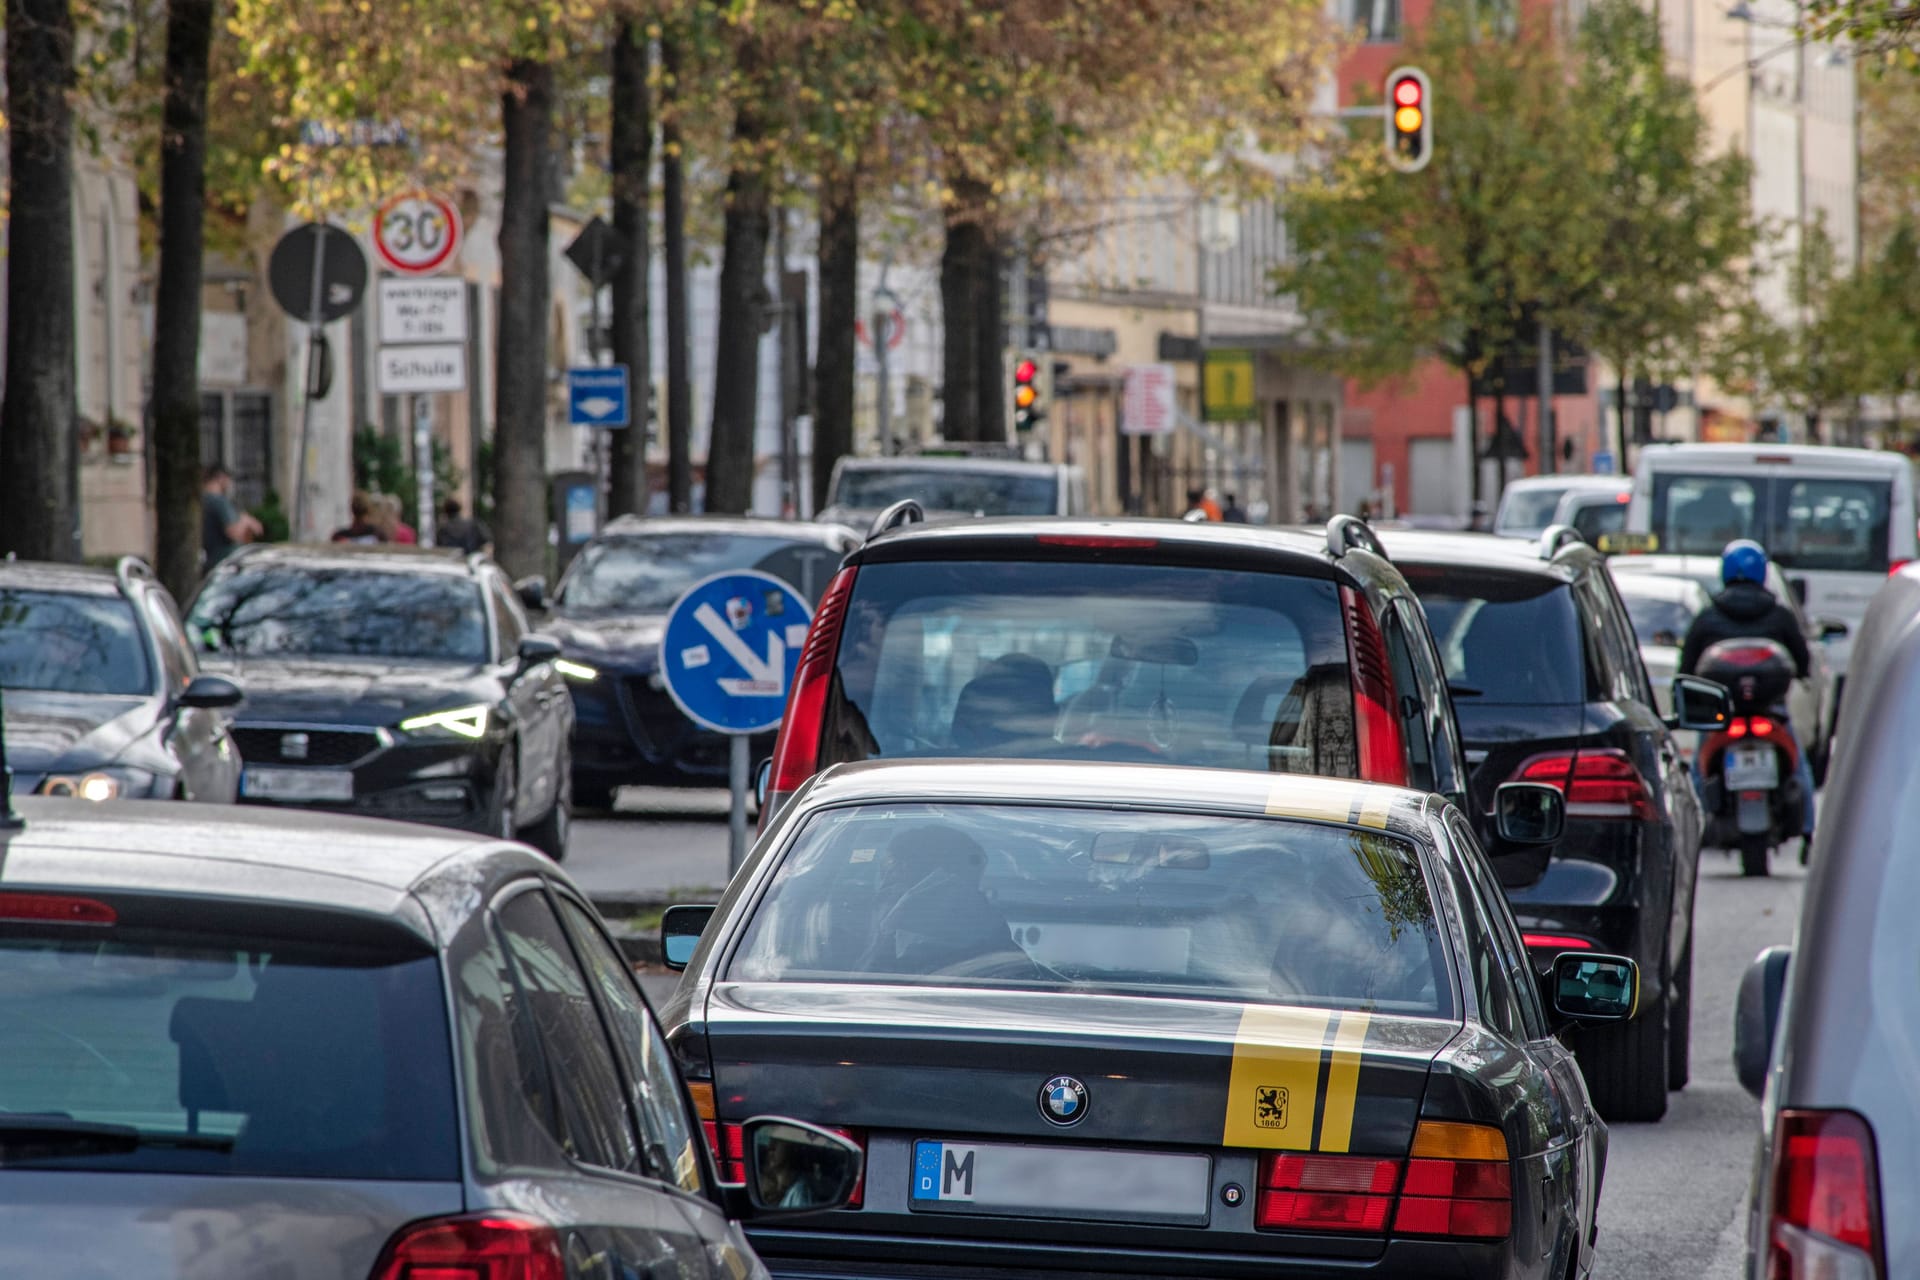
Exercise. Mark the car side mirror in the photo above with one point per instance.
(1595, 988)
(762, 781)
(1700, 705)
(536, 649)
(796, 1168)
(1831, 628)
(1756, 1017)
(212, 692)
(532, 592)
(1528, 814)
(680, 931)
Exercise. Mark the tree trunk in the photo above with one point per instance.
(1620, 396)
(743, 308)
(39, 474)
(839, 314)
(673, 211)
(960, 357)
(176, 306)
(632, 157)
(991, 315)
(520, 363)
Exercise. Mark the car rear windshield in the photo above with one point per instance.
(1530, 508)
(348, 612)
(646, 574)
(65, 642)
(1593, 519)
(187, 1054)
(1085, 660)
(1658, 620)
(1136, 901)
(1811, 523)
(1511, 638)
(991, 493)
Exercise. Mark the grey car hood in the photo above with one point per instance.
(108, 1226)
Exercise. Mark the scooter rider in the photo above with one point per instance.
(1744, 609)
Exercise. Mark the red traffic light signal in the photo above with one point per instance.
(1409, 113)
(1026, 396)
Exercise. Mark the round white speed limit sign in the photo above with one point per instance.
(417, 234)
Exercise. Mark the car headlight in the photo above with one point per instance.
(99, 784)
(460, 722)
(572, 670)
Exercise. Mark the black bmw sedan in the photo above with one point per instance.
(393, 682)
(1099, 1019)
(608, 612)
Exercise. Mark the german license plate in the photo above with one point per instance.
(1752, 769)
(1088, 1183)
(296, 784)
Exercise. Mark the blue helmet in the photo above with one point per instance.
(1743, 561)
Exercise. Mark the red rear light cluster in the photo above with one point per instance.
(1095, 540)
(796, 752)
(54, 908)
(1555, 942)
(1823, 1215)
(1376, 722)
(1597, 784)
(1897, 566)
(728, 1142)
(1457, 1183)
(483, 1246)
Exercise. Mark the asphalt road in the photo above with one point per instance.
(1674, 1204)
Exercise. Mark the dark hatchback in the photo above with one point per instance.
(1549, 687)
(392, 682)
(1147, 641)
(608, 612)
(104, 696)
(1101, 1020)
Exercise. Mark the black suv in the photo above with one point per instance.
(394, 682)
(1549, 687)
(104, 697)
(1137, 640)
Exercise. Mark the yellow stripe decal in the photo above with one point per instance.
(1274, 1087)
(1373, 811)
(1343, 1082)
(1292, 800)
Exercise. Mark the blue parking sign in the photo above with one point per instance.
(597, 396)
(730, 649)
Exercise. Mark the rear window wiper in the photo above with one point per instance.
(40, 1137)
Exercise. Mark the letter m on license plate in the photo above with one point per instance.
(943, 1171)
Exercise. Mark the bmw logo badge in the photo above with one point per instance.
(1063, 1100)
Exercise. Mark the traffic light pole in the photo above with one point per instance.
(1544, 388)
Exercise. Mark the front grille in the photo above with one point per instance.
(652, 717)
(323, 748)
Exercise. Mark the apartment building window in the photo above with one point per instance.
(1378, 20)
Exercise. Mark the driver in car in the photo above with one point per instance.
(933, 915)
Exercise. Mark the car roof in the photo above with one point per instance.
(1525, 483)
(1195, 539)
(1081, 782)
(381, 556)
(1482, 550)
(916, 462)
(1595, 495)
(1762, 454)
(76, 579)
(271, 856)
(1661, 586)
(744, 526)
(1697, 568)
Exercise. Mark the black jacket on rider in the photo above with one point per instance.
(1745, 610)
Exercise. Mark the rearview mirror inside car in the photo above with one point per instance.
(1165, 651)
(1527, 814)
(795, 1168)
(680, 930)
(1756, 1017)
(1595, 988)
(1700, 705)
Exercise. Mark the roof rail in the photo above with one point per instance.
(1558, 536)
(127, 568)
(1345, 532)
(904, 512)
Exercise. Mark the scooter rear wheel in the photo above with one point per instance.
(1753, 856)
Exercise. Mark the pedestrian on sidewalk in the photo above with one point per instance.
(456, 530)
(387, 518)
(223, 525)
(362, 530)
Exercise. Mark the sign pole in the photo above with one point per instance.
(737, 816)
(423, 468)
(315, 318)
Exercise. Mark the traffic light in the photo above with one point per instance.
(1027, 411)
(1409, 120)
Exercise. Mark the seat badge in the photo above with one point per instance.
(293, 746)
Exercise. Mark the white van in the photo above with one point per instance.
(1838, 521)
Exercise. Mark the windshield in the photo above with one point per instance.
(1084, 660)
(1807, 523)
(1130, 901)
(1661, 621)
(1529, 509)
(1505, 638)
(293, 611)
(992, 493)
(57, 642)
(223, 1057)
(647, 574)
(1595, 518)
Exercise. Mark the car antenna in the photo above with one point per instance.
(9, 820)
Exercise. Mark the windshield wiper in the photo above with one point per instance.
(40, 1137)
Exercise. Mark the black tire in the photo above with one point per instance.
(595, 798)
(1626, 1068)
(549, 835)
(1680, 1022)
(1753, 855)
(504, 820)
(1818, 761)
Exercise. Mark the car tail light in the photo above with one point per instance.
(486, 1246)
(1376, 722)
(54, 908)
(1823, 1218)
(1350, 1194)
(1095, 540)
(1458, 1184)
(796, 752)
(1897, 566)
(1555, 942)
(1597, 784)
(1736, 728)
(726, 1140)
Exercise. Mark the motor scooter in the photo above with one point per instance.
(1749, 790)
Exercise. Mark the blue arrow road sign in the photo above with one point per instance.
(730, 648)
(597, 396)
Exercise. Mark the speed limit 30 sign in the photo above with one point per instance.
(417, 234)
